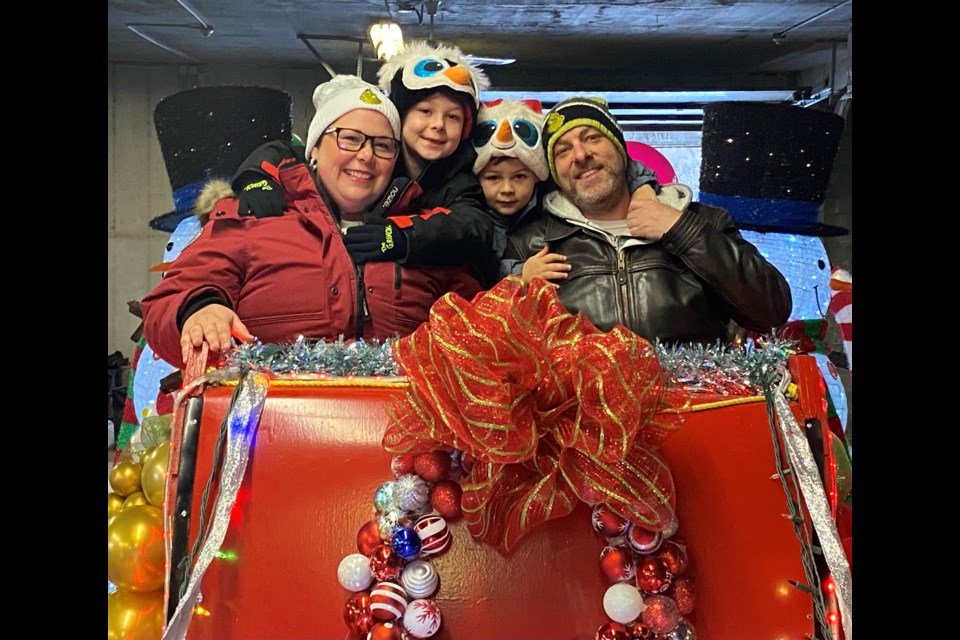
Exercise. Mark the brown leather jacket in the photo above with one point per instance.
(687, 287)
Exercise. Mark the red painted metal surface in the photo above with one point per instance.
(317, 463)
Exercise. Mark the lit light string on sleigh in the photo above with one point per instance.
(507, 402)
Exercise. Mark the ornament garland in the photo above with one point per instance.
(393, 582)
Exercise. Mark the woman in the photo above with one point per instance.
(277, 278)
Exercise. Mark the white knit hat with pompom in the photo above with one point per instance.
(344, 93)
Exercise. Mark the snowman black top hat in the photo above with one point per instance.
(769, 165)
(206, 132)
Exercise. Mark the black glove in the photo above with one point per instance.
(260, 196)
(377, 240)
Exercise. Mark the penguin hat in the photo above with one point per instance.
(421, 70)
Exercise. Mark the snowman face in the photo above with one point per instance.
(150, 370)
(186, 232)
(804, 263)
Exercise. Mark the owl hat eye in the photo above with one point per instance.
(510, 129)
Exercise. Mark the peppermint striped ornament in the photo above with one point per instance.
(388, 601)
(434, 534)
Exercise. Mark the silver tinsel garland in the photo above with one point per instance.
(317, 358)
(718, 369)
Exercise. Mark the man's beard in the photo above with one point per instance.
(597, 194)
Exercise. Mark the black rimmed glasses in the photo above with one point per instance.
(353, 140)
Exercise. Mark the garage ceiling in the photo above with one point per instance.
(616, 45)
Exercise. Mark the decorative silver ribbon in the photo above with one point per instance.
(242, 421)
(804, 465)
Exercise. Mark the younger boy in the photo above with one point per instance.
(512, 167)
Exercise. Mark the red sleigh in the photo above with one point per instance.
(318, 459)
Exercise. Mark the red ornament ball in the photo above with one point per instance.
(643, 540)
(386, 631)
(432, 466)
(617, 564)
(612, 631)
(356, 613)
(445, 499)
(368, 538)
(674, 554)
(653, 575)
(388, 601)
(640, 631)
(402, 464)
(385, 563)
(682, 593)
(607, 523)
(660, 613)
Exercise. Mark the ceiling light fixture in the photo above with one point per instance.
(387, 39)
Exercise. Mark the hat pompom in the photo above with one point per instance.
(511, 129)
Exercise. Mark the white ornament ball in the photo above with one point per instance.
(623, 603)
(354, 572)
(422, 618)
(420, 579)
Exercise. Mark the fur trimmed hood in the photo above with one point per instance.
(214, 190)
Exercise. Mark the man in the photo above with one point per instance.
(665, 268)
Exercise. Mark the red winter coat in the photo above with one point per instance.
(291, 275)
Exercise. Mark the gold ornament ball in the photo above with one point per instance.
(135, 549)
(114, 503)
(135, 499)
(153, 479)
(125, 477)
(135, 616)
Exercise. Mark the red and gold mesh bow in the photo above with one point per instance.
(552, 410)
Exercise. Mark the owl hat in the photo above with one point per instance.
(421, 70)
(511, 129)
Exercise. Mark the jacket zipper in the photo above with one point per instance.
(622, 281)
(363, 312)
